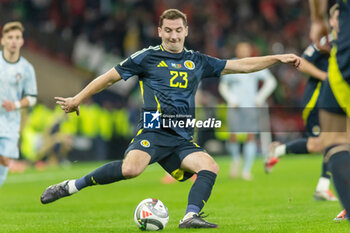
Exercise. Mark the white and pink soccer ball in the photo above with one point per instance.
(151, 214)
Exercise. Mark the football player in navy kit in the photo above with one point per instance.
(316, 66)
(169, 75)
(335, 96)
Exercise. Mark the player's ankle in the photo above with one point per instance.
(71, 187)
(323, 184)
(188, 215)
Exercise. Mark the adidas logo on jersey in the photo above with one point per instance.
(162, 64)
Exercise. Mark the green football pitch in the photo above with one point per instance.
(279, 202)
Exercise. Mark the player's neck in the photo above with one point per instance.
(171, 51)
(11, 57)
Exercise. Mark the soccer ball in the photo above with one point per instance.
(151, 214)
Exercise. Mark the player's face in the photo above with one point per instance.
(333, 21)
(12, 41)
(173, 34)
(243, 50)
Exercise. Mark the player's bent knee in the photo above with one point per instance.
(199, 161)
(314, 145)
(130, 171)
(214, 168)
(210, 165)
(135, 163)
(317, 148)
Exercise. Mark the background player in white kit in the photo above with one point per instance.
(244, 101)
(17, 90)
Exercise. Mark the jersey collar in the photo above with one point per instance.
(3, 56)
(162, 48)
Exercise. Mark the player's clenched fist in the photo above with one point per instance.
(290, 58)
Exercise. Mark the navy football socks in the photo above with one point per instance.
(297, 146)
(200, 191)
(324, 171)
(108, 173)
(339, 166)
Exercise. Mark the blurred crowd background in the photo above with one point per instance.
(70, 42)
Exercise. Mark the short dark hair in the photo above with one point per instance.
(12, 26)
(172, 14)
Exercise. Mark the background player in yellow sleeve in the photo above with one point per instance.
(335, 97)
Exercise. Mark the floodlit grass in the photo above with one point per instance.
(279, 202)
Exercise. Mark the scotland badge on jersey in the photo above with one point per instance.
(151, 120)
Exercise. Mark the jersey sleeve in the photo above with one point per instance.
(29, 87)
(212, 66)
(311, 53)
(131, 66)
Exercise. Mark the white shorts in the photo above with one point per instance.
(9, 147)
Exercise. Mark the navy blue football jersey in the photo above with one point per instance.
(169, 81)
(336, 93)
(318, 59)
(343, 42)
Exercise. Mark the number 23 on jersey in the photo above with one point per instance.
(178, 79)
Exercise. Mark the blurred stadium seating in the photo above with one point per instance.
(69, 42)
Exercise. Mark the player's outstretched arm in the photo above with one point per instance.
(252, 64)
(310, 69)
(71, 104)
